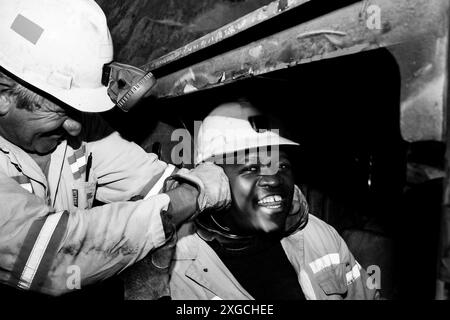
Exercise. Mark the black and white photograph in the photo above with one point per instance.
(224, 158)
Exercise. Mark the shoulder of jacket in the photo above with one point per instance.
(318, 224)
(318, 231)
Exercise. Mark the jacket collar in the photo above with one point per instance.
(191, 247)
(295, 223)
(24, 163)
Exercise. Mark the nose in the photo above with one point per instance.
(72, 127)
(269, 181)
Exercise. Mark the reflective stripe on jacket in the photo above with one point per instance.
(325, 267)
(49, 232)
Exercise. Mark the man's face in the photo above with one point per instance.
(38, 130)
(262, 193)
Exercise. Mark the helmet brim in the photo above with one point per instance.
(85, 100)
(283, 142)
(82, 99)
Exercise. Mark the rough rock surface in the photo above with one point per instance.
(143, 30)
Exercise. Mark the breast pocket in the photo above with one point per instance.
(332, 281)
(83, 194)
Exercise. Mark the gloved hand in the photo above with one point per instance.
(298, 215)
(210, 181)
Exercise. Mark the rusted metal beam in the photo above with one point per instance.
(256, 17)
(404, 25)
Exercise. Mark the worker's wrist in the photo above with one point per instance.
(183, 203)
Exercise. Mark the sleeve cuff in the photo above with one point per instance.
(161, 230)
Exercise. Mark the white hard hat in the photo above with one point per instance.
(58, 46)
(227, 129)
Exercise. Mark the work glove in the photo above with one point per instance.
(211, 182)
(298, 215)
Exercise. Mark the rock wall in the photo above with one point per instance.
(143, 30)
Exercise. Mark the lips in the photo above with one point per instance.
(275, 201)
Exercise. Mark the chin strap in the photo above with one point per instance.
(210, 230)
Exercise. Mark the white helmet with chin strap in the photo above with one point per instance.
(233, 127)
(59, 47)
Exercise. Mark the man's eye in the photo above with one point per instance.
(285, 166)
(251, 169)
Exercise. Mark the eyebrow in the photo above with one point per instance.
(252, 158)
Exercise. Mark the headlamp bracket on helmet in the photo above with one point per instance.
(127, 84)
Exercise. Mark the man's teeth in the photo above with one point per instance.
(270, 199)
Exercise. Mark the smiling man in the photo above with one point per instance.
(266, 245)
